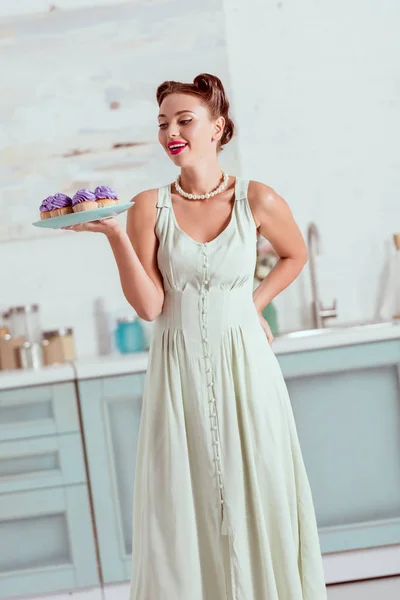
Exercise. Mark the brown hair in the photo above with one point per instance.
(210, 89)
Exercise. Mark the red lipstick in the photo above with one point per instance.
(176, 147)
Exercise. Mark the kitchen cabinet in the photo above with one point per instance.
(46, 532)
(46, 541)
(111, 409)
(38, 410)
(42, 462)
(346, 403)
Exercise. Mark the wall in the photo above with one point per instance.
(316, 94)
(82, 84)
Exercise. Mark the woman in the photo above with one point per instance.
(222, 503)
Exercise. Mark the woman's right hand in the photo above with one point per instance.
(108, 227)
(135, 252)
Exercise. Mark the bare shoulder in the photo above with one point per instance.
(145, 201)
(145, 209)
(265, 201)
(261, 194)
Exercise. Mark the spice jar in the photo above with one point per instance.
(58, 346)
(4, 331)
(25, 321)
(8, 346)
(29, 355)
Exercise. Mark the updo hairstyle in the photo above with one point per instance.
(210, 89)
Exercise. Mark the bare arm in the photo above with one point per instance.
(275, 222)
(135, 252)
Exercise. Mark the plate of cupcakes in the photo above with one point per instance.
(60, 210)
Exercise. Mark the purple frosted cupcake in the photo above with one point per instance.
(55, 206)
(84, 200)
(105, 196)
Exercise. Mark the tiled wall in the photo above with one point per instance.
(315, 95)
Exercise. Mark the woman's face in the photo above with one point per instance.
(186, 131)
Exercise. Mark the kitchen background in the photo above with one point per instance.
(315, 93)
(81, 111)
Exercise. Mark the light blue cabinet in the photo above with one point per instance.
(346, 403)
(46, 542)
(111, 409)
(42, 462)
(46, 532)
(39, 410)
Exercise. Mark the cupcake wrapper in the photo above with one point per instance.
(87, 205)
(45, 215)
(59, 212)
(102, 202)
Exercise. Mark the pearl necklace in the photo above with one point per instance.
(219, 189)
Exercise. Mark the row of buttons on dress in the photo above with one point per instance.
(209, 372)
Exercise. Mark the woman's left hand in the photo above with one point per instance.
(267, 329)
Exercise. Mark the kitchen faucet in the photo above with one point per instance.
(319, 312)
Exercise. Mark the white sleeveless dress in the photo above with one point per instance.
(222, 504)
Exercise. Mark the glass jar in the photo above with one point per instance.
(129, 335)
(58, 346)
(29, 355)
(5, 324)
(8, 354)
(25, 322)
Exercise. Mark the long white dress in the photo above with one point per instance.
(222, 504)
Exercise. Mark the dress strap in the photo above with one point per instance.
(244, 212)
(241, 188)
(163, 216)
(164, 197)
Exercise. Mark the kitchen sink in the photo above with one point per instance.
(338, 329)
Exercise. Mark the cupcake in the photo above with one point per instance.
(105, 196)
(55, 206)
(83, 200)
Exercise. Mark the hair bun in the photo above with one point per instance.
(228, 131)
(208, 83)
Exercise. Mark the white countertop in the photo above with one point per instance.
(99, 366)
(344, 335)
(106, 366)
(17, 378)
(115, 364)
